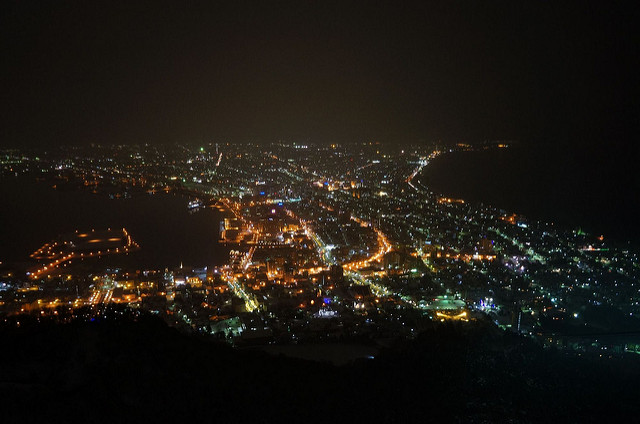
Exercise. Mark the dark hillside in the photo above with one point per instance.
(142, 370)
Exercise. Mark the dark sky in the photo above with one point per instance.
(124, 72)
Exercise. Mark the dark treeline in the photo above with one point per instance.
(136, 368)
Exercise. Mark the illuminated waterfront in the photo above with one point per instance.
(161, 224)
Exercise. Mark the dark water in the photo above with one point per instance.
(594, 189)
(33, 213)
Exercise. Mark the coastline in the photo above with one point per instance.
(569, 188)
(167, 231)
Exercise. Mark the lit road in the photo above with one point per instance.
(352, 269)
(325, 254)
(423, 162)
(528, 250)
(377, 289)
(250, 301)
(384, 247)
(101, 296)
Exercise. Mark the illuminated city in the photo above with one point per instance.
(319, 212)
(341, 233)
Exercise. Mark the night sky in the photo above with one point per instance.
(76, 72)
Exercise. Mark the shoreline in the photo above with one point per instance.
(543, 190)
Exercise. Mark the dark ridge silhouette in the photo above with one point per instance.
(138, 369)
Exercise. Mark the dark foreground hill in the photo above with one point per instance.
(141, 370)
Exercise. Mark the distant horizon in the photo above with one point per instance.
(164, 72)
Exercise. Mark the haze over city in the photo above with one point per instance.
(150, 72)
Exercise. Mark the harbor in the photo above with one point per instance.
(61, 252)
